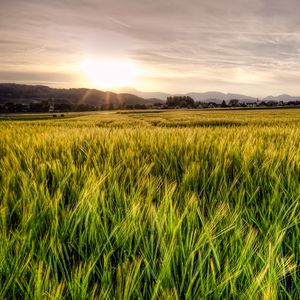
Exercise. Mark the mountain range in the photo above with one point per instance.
(210, 96)
(19, 93)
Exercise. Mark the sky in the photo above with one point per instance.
(175, 46)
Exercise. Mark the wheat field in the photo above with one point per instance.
(151, 205)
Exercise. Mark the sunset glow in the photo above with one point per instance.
(244, 47)
(108, 74)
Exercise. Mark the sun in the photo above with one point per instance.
(109, 74)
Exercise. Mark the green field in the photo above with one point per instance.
(151, 205)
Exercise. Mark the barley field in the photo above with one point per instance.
(151, 205)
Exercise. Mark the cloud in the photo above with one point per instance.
(37, 77)
(252, 42)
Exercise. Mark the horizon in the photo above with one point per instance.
(170, 47)
(131, 90)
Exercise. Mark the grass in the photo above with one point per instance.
(169, 205)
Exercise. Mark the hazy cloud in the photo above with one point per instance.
(254, 44)
(50, 78)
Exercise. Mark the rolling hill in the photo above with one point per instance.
(17, 93)
(217, 97)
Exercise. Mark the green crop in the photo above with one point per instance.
(151, 205)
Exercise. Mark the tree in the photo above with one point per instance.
(233, 102)
(180, 101)
(223, 104)
(9, 107)
(140, 106)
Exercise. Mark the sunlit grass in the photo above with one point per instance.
(169, 205)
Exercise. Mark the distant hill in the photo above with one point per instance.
(18, 93)
(217, 97)
(212, 96)
(283, 97)
(145, 95)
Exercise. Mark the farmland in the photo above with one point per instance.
(151, 205)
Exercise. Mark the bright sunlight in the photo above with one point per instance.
(109, 74)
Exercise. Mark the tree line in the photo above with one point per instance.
(172, 102)
(180, 101)
(45, 106)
